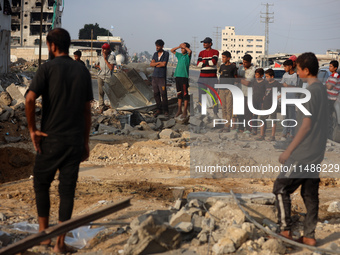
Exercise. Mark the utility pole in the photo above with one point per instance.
(267, 19)
(217, 36)
(194, 47)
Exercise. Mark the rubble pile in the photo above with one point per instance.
(219, 224)
(22, 65)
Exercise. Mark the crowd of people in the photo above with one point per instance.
(62, 142)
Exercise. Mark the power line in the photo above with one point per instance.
(217, 36)
(267, 19)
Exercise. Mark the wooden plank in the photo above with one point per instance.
(62, 228)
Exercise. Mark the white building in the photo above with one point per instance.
(239, 45)
(5, 38)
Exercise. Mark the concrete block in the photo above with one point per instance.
(158, 124)
(334, 207)
(166, 134)
(186, 135)
(179, 217)
(15, 94)
(274, 246)
(5, 99)
(237, 235)
(224, 246)
(184, 227)
(170, 123)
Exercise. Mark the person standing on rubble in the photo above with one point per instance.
(303, 156)
(62, 142)
(105, 64)
(182, 77)
(159, 61)
(207, 61)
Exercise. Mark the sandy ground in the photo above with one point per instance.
(120, 167)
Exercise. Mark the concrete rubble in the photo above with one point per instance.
(202, 221)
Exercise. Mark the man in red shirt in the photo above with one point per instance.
(207, 61)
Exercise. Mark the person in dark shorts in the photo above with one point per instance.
(228, 73)
(267, 104)
(303, 154)
(159, 61)
(259, 90)
(182, 77)
(62, 142)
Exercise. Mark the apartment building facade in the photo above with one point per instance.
(239, 45)
(25, 23)
(5, 33)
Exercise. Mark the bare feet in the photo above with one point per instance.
(184, 115)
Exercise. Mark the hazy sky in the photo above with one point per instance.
(299, 25)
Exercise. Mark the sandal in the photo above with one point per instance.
(260, 138)
(272, 138)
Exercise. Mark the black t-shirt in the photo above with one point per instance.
(268, 97)
(65, 86)
(259, 89)
(227, 74)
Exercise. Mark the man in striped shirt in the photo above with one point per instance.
(207, 61)
(333, 88)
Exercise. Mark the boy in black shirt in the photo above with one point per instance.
(228, 73)
(259, 89)
(267, 104)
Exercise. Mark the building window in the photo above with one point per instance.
(259, 46)
(249, 46)
(259, 40)
(259, 52)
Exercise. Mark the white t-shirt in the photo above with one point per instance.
(291, 80)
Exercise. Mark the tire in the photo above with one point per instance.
(335, 135)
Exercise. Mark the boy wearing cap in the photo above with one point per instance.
(207, 61)
(159, 62)
(77, 56)
(105, 65)
(228, 72)
(182, 77)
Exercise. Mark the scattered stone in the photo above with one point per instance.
(158, 124)
(224, 246)
(5, 238)
(186, 135)
(110, 112)
(5, 99)
(106, 129)
(150, 238)
(167, 134)
(195, 121)
(159, 216)
(250, 229)
(12, 139)
(237, 235)
(15, 94)
(178, 204)
(208, 224)
(185, 227)
(223, 210)
(179, 217)
(195, 203)
(145, 126)
(2, 217)
(197, 220)
(170, 123)
(334, 207)
(275, 246)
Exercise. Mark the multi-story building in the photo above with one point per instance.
(239, 45)
(25, 22)
(5, 32)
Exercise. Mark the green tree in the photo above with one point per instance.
(85, 33)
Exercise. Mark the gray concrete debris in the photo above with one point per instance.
(15, 94)
(170, 123)
(145, 126)
(5, 239)
(181, 120)
(12, 139)
(178, 204)
(195, 121)
(150, 238)
(106, 129)
(255, 198)
(195, 203)
(5, 99)
(158, 124)
(179, 217)
(110, 112)
(160, 216)
(274, 246)
(184, 227)
(166, 134)
(334, 207)
(197, 222)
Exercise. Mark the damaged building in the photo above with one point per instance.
(25, 26)
(5, 32)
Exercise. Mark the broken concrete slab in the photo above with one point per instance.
(5, 99)
(237, 235)
(145, 126)
(12, 139)
(160, 216)
(184, 227)
(179, 217)
(334, 207)
(166, 134)
(254, 198)
(158, 124)
(259, 205)
(274, 246)
(15, 94)
(224, 246)
(170, 123)
(186, 135)
(150, 238)
(106, 129)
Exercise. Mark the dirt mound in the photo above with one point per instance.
(15, 164)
